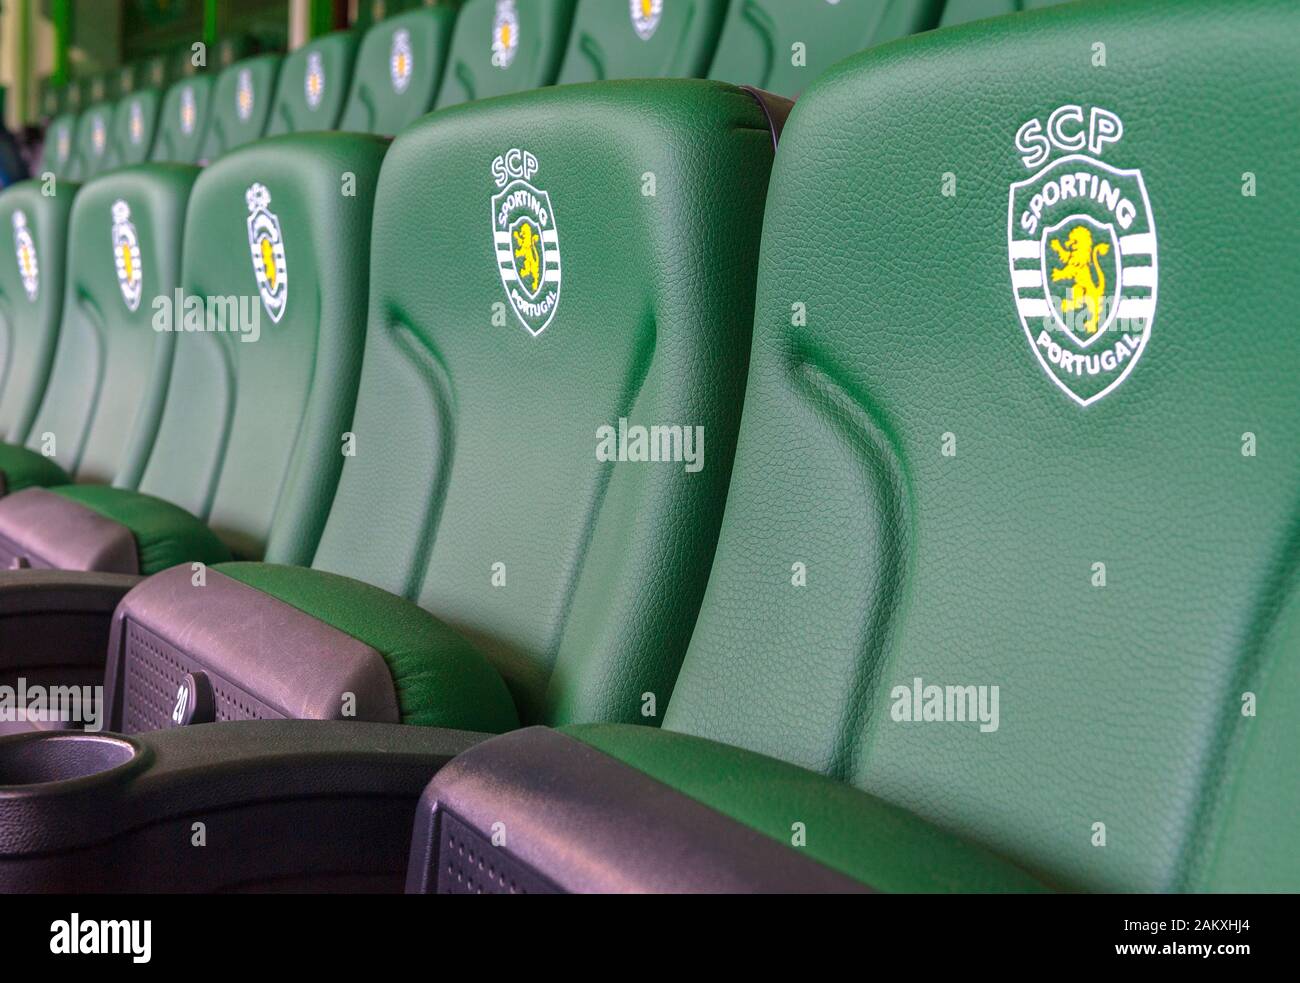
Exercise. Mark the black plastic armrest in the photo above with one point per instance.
(294, 805)
(54, 624)
(536, 811)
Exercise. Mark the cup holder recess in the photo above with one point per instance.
(42, 759)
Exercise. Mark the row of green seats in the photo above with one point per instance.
(439, 56)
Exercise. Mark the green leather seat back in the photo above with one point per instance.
(251, 435)
(482, 402)
(94, 142)
(75, 95)
(782, 45)
(52, 99)
(31, 298)
(961, 11)
(642, 39)
(241, 105)
(134, 122)
(183, 120)
(313, 85)
(925, 458)
(109, 378)
(60, 145)
(154, 72)
(503, 46)
(399, 66)
(101, 87)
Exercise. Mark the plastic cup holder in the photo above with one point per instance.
(42, 759)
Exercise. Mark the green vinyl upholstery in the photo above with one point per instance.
(399, 67)
(961, 11)
(241, 104)
(60, 146)
(477, 503)
(109, 377)
(31, 303)
(250, 438)
(313, 85)
(183, 121)
(642, 39)
(93, 150)
(134, 122)
(782, 45)
(504, 46)
(949, 505)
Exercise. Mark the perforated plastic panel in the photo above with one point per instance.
(469, 863)
(154, 671)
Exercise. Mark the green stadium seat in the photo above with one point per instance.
(906, 673)
(134, 122)
(782, 45)
(642, 39)
(961, 11)
(247, 450)
(183, 121)
(399, 66)
(60, 146)
(504, 46)
(153, 72)
(31, 301)
(101, 87)
(482, 559)
(241, 105)
(101, 405)
(313, 85)
(93, 150)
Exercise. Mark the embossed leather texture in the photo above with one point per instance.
(1120, 705)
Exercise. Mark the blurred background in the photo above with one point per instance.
(62, 56)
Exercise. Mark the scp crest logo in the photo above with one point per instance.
(136, 122)
(1081, 242)
(189, 110)
(126, 255)
(314, 83)
(98, 134)
(244, 94)
(25, 251)
(505, 34)
(526, 241)
(266, 245)
(645, 17)
(399, 60)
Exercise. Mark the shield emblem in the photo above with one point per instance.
(645, 17)
(25, 251)
(505, 34)
(64, 145)
(266, 246)
(399, 60)
(1081, 244)
(98, 134)
(314, 83)
(136, 122)
(527, 252)
(189, 111)
(126, 255)
(244, 94)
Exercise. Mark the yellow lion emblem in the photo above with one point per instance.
(1078, 265)
(526, 239)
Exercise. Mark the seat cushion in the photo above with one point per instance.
(21, 467)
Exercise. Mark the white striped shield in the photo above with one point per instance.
(266, 244)
(1081, 243)
(527, 253)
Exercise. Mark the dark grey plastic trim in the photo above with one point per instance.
(282, 805)
(42, 530)
(775, 108)
(587, 823)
